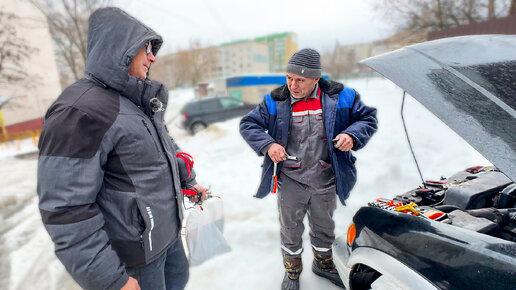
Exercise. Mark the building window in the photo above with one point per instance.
(259, 58)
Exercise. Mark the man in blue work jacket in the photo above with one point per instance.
(318, 122)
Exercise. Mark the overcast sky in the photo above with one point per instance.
(318, 23)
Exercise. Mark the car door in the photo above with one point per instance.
(233, 107)
(211, 111)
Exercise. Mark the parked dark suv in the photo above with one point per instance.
(198, 114)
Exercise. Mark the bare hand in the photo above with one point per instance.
(277, 153)
(203, 191)
(344, 142)
(131, 284)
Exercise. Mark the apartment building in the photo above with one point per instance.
(28, 101)
(269, 53)
(239, 57)
(281, 47)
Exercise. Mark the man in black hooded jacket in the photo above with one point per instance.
(110, 178)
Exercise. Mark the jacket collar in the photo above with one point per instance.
(316, 94)
(150, 96)
(329, 87)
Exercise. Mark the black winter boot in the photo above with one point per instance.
(293, 267)
(323, 266)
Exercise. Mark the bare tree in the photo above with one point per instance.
(432, 15)
(335, 63)
(163, 70)
(491, 9)
(14, 52)
(194, 63)
(68, 24)
(343, 60)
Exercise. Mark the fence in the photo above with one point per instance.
(505, 25)
(19, 136)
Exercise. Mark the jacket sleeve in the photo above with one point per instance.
(70, 176)
(186, 172)
(363, 123)
(253, 128)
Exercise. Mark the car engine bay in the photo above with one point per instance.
(480, 199)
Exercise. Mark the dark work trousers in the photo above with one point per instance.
(294, 201)
(169, 272)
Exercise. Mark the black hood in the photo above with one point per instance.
(114, 38)
(469, 83)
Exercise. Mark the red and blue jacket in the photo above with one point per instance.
(343, 112)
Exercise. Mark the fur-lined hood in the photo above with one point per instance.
(327, 86)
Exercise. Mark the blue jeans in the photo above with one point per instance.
(168, 272)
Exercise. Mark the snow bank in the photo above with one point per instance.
(15, 148)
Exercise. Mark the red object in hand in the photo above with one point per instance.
(189, 192)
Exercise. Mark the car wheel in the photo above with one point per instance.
(197, 127)
(363, 276)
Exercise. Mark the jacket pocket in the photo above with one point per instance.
(151, 135)
(319, 125)
(148, 219)
(325, 168)
(131, 253)
(324, 164)
(297, 119)
(291, 163)
(138, 221)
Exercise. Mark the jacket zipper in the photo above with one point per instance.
(330, 142)
(170, 163)
(152, 136)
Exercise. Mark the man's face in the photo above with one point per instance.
(300, 87)
(141, 62)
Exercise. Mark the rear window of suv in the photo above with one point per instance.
(230, 103)
(210, 105)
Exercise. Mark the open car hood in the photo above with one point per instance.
(469, 83)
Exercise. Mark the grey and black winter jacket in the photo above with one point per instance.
(109, 181)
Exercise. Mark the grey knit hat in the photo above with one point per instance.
(306, 62)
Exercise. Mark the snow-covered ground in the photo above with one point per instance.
(224, 162)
